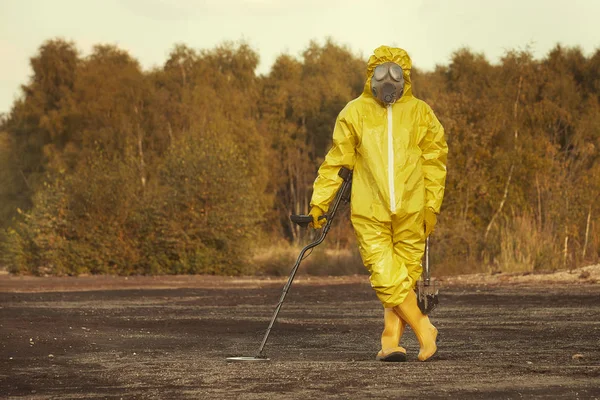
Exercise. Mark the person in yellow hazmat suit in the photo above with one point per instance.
(396, 148)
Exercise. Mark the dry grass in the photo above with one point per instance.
(525, 247)
(279, 260)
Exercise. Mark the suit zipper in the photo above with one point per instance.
(391, 159)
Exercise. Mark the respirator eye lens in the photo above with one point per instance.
(380, 72)
(396, 72)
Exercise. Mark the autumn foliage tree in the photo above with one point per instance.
(194, 166)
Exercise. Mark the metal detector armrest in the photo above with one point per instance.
(345, 173)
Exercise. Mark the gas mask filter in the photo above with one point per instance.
(387, 83)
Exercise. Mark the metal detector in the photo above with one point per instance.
(343, 195)
(427, 288)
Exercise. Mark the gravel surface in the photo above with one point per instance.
(168, 338)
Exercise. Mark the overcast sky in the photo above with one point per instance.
(430, 30)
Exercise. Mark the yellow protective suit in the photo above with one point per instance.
(398, 155)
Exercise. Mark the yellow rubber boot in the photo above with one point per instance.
(393, 327)
(424, 330)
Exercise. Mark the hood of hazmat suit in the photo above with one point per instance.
(398, 154)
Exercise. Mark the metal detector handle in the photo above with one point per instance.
(304, 220)
(343, 194)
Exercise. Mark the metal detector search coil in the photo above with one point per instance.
(238, 359)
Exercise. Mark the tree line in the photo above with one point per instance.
(194, 166)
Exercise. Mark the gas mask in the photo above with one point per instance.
(387, 83)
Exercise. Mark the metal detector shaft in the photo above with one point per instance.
(427, 289)
(427, 272)
(340, 196)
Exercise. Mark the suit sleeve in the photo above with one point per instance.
(341, 154)
(434, 156)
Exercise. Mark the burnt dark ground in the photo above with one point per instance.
(495, 342)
